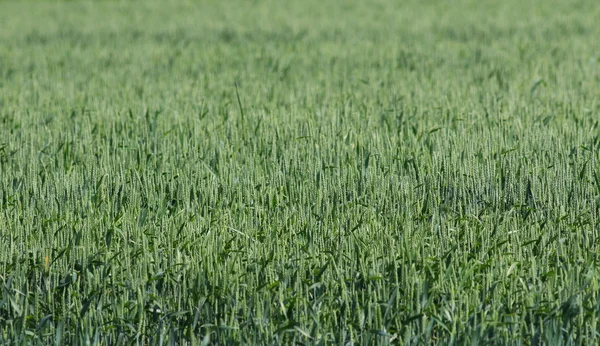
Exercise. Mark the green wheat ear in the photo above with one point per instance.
(536, 84)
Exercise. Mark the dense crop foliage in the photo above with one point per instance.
(270, 172)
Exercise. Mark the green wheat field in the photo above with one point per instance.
(313, 172)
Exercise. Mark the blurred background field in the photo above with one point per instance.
(299, 172)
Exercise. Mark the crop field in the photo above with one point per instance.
(312, 172)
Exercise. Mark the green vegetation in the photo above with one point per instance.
(317, 172)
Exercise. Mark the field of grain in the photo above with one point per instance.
(299, 172)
